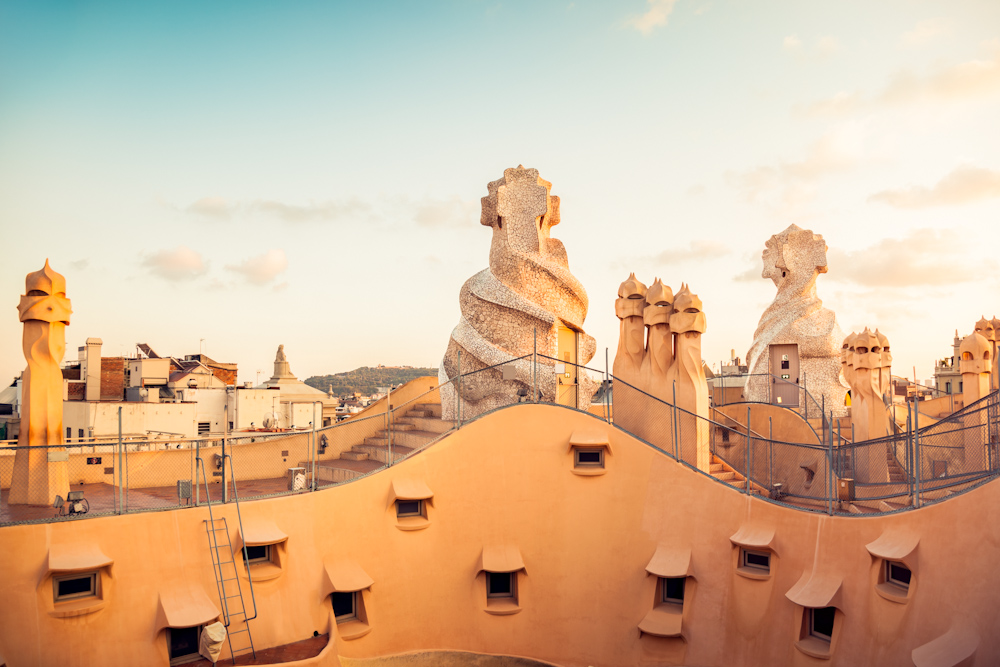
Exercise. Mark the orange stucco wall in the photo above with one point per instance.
(585, 542)
(413, 392)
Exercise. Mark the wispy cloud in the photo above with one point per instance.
(453, 212)
(837, 151)
(222, 209)
(970, 79)
(427, 212)
(697, 250)
(329, 211)
(755, 267)
(924, 257)
(80, 264)
(179, 264)
(263, 269)
(217, 208)
(656, 16)
(925, 31)
(963, 185)
(821, 48)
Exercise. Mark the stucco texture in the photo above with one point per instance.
(585, 543)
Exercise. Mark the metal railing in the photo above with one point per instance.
(806, 404)
(830, 473)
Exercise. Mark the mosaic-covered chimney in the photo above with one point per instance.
(526, 296)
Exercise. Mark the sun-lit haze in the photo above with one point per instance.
(226, 177)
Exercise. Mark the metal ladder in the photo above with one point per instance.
(225, 570)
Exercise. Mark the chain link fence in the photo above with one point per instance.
(823, 470)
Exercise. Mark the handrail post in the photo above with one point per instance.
(534, 368)
(676, 430)
(121, 465)
(829, 472)
(911, 475)
(388, 412)
(313, 449)
(722, 375)
(840, 444)
(916, 452)
(770, 463)
(746, 458)
(805, 395)
(607, 385)
(197, 484)
(225, 485)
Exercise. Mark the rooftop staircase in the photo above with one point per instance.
(724, 472)
(418, 426)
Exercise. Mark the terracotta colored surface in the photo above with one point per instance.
(44, 310)
(103, 498)
(667, 367)
(307, 648)
(786, 426)
(585, 543)
(444, 659)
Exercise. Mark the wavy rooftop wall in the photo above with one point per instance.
(507, 480)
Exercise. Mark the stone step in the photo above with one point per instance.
(340, 470)
(376, 441)
(434, 409)
(716, 467)
(889, 507)
(430, 424)
(724, 476)
(381, 454)
(401, 425)
(352, 455)
(331, 474)
(413, 439)
(336, 475)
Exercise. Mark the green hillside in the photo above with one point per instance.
(366, 380)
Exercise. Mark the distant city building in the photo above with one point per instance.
(947, 375)
(172, 398)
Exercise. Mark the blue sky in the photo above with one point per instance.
(310, 173)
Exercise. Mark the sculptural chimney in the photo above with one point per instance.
(41, 468)
(869, 412)
(527, 301)
(649, 378)
(987, 329)
(797, 340)
(976, 365)
(995, 375)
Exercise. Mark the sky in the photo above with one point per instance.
(226, 177)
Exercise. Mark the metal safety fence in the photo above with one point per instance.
(821, 469)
